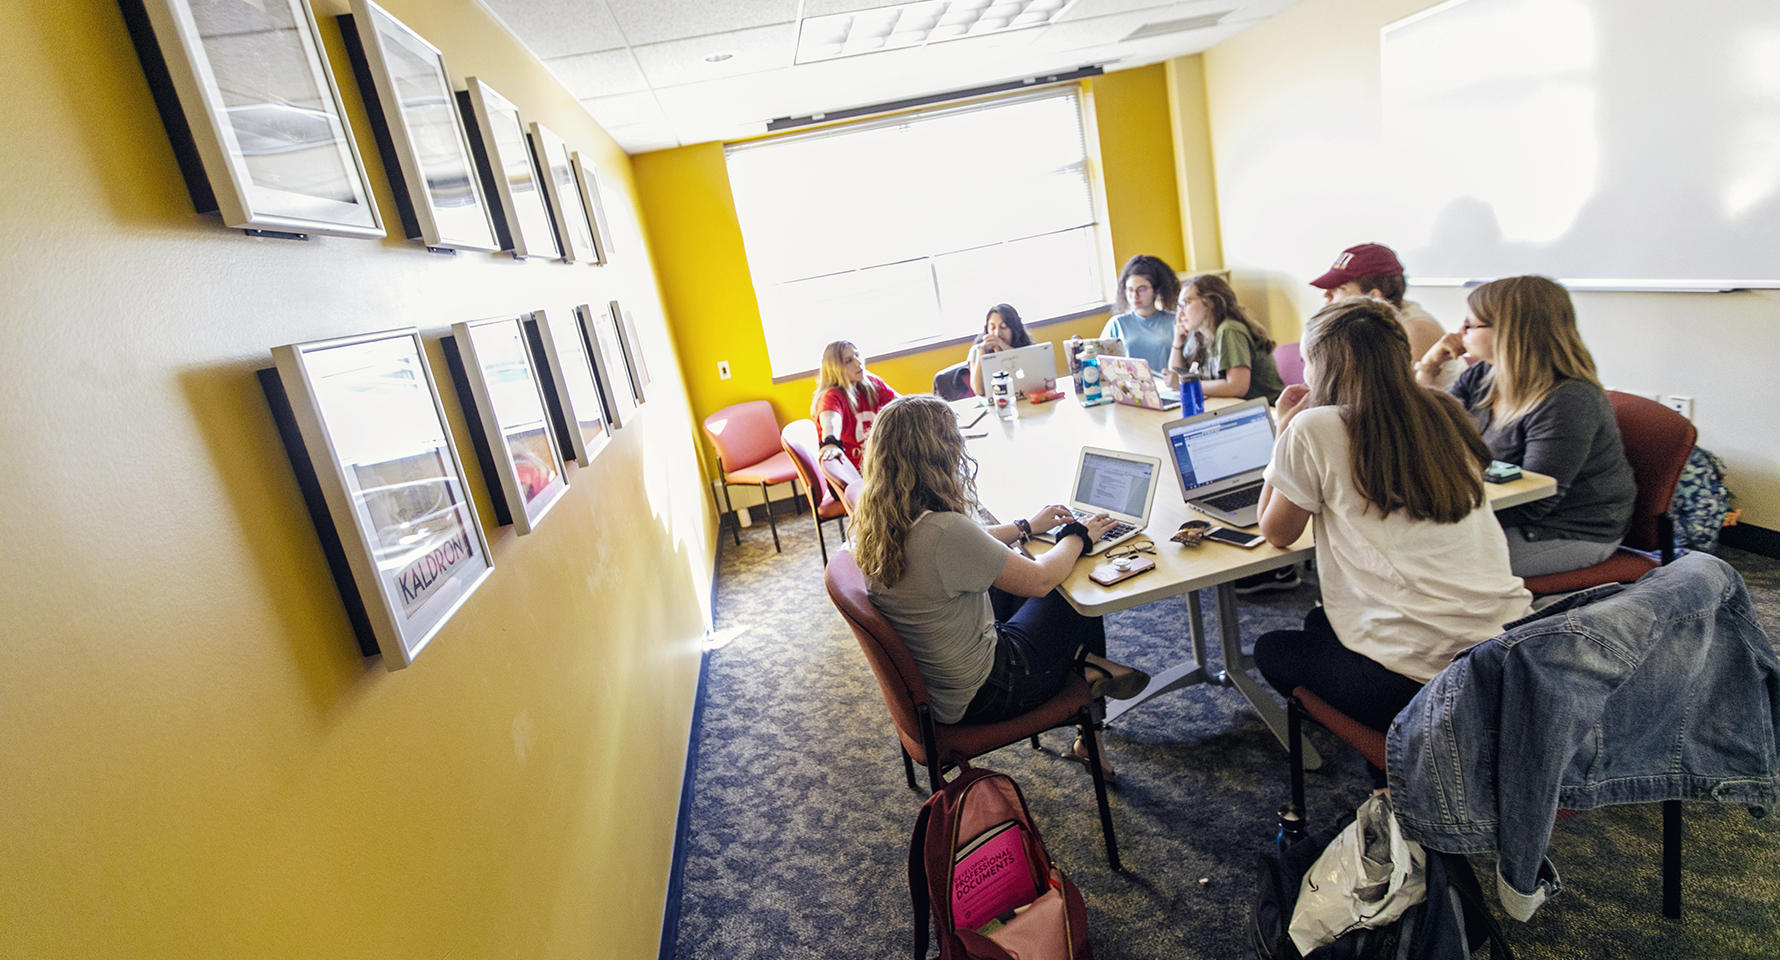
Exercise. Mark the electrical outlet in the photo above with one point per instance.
(1681, 405)
(723, 369)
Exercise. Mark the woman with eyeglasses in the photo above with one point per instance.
(1536, 398)
(1234, 352)
(1411, 559)
(992, 636)
(1144, 310)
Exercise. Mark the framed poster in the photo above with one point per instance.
(514, 438)
(250, 106)
(509, 173)
(563, 191)
(413, 111)
(633, 351)
(587, 175)
(366, 433)
(571, 390)
(606, 351)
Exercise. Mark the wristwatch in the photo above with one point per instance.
(1025, 529)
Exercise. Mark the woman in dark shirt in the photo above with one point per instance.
(1536, 399)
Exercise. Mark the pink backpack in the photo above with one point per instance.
(976, 858)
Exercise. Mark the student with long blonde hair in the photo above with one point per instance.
(992, 636)
(1536, 398)
(847, 400)
(1234, 352)
(1412, 561)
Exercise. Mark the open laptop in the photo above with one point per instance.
(1117, 483)
(1130, 381)
(1032, 368)
(1219, 456)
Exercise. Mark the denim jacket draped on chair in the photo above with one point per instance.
(1664, 689)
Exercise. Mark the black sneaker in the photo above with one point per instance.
(1285, 578)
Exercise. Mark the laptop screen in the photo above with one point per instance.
(1114, 485)
(1218, 448)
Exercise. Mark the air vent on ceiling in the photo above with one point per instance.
(1177, 26)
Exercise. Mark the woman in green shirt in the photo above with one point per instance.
(1234, 353)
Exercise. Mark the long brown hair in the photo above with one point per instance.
(915, 461)
(1221, 300)
(1537, 344)
(1414, 448)
(833, 374)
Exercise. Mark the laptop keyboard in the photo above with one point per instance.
(1236, 499)
(1118, 529)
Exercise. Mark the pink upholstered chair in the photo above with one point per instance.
(746, 436)
(799, 440)
(1290, 361)
(845, 479)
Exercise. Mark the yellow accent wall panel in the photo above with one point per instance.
(194, 759)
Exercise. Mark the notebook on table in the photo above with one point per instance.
(1219, 456)
(1117, 483)
(1033, 369)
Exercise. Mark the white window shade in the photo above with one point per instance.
(902, 232)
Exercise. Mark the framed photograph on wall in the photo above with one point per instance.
(633, 351)
(244, 90)
(514, 439)
(571, 389)
(413, 110)
(563, 191)
(606, 350)
(366, 433)
(509, 173)
(587, 175)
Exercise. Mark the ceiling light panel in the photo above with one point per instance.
(915, 24)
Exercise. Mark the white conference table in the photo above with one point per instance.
(1027, 463)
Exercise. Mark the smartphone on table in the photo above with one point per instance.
(1236, 538)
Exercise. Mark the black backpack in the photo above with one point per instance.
(1449, 925)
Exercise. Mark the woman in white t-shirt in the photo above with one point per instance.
(1414, 566)
(953, 590)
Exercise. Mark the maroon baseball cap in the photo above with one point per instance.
(1365, 260)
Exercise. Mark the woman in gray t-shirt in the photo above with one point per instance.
(985, 624)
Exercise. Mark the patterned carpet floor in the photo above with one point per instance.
(801, 815)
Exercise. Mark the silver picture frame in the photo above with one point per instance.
(413, 110)
(587, 175)
(563, 189)
(633, 351)
(255, 119)
(367, 435)
(497, 381)
(571, 387)
(606, 350)
(510, 178)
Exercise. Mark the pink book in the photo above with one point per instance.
(991, 876)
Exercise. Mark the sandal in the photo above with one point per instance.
(1076, 755)
(1121, 687)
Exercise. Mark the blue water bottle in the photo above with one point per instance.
(1192, 396)
(1091, 393)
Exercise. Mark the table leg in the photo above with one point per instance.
(1235, 674)
(1180, 675)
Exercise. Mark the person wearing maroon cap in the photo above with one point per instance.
(1373, 270)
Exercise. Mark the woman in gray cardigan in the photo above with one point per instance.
(1536, 399)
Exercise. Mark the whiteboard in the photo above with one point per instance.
(1613, 144)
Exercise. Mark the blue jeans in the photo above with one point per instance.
(1035, 652)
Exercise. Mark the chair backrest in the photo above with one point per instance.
(1657, 443)
(744, 434)
(898, 676)
(799, 440)
(953, 382)
(1289, 358)
(844, 478)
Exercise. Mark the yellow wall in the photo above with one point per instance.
(1296, 125)
(711, 306)
(194, 759)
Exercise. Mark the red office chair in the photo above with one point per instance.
(1657, 442)
(799, 440)
(844, 477)
(746, 436)
(1290, 361)
(939, 745)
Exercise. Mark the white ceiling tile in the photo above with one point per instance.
(658, 21)
(590, 75)
(556, 28)
(752, 51)
(644, 137)
(625, 110)
(828, 8)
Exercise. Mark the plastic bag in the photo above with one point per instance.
(1367, 876)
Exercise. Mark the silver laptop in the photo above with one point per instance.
(1119, 484)
(1219, 456)
(1031, 368)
